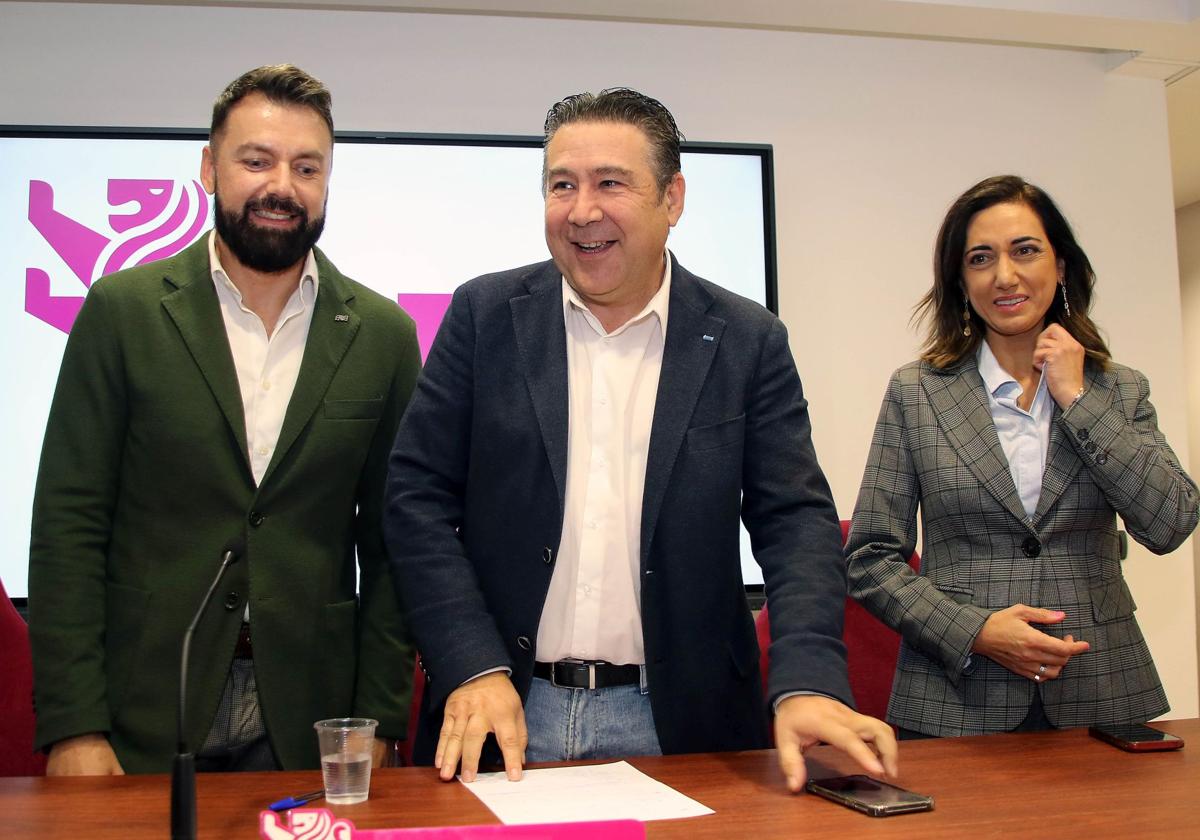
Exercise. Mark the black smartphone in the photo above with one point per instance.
(1136, 737)
(871, 796)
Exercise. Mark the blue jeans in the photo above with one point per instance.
(571, 723)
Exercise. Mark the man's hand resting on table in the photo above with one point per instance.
(804, 720)
(83, 755)
(477, 707)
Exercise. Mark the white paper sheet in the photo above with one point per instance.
(615, 791)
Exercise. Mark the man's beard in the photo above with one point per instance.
(264, 249)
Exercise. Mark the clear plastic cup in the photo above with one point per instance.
(346, 746)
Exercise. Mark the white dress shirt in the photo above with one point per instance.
(267, 365)
(1024, 435)
(593, 607)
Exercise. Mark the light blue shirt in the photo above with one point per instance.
(1024, 435)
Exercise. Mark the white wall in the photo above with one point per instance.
(873, 138)
(1187, 226)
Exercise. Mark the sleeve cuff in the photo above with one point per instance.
(787, 694)
(498, 669)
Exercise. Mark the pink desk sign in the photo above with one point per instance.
(321, 824)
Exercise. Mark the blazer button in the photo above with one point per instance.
(1102, 459)
(1089, 447)
(523, 643)
(1031, 547)
(1082, 434)
(547, 555)
(256, 518)
(232, 600)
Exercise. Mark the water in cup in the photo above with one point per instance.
(347, 777)
(345, 750)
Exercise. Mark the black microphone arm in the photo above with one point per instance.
(183, 769)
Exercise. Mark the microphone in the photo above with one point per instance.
(183, 769)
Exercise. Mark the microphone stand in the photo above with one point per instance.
(183, 769)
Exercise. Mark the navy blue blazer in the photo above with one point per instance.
(474, 507)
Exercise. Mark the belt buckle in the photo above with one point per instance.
(591, 672)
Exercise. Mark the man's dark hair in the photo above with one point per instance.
(622, 105)
(285, 84)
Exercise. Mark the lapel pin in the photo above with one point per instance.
(709, 338)
(341, 317)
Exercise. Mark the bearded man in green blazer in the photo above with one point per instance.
(243, 392)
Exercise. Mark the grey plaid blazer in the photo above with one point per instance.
(935, 446)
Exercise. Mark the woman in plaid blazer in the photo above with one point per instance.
(1020, 440)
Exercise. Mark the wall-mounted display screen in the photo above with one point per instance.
(412, 217)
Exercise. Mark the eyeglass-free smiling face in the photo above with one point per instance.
(268, 169)
(1010, 271)
(606, 218)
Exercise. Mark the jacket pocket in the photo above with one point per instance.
(354, 409)
(1111, 600)
(958, 594)
(717, 435)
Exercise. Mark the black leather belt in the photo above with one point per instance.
(569, 673)
(243, 649)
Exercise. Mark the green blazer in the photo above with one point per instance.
(145, 478)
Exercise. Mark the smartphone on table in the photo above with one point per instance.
(870, 796)
(1136, 737)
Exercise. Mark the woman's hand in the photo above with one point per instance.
(1060, 359)
(1008, 638)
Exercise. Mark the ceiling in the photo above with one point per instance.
(1158, 39)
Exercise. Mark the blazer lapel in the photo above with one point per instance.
(690, 346)
(1062, 463)
(542, 343)
(192, 304)
(330, 334)
(959, 402)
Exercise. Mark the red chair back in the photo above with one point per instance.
(17, 757)
(871, 651)
(414, 712)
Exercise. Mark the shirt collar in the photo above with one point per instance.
(309, 278)
(657, 305)
(995, 377)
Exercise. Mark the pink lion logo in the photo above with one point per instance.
(167, 217)
(304, 824)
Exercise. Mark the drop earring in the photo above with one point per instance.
(1066, 303)
(966, 319)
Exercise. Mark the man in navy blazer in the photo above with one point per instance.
(565, 490)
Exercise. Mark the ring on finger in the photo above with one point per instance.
(1041, 670)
